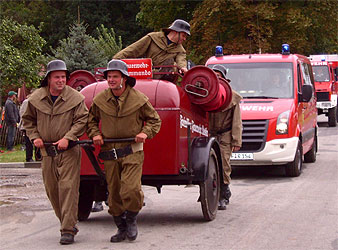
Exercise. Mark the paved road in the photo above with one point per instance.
(267, 212)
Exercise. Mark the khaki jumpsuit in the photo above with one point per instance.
(65, 118)
(155, 46)
(227, 118)
(125, 117)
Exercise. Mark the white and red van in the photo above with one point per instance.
(278, 109)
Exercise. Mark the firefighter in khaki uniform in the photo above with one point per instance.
(57, 113)
(226, 126)
(124, 113)
(164, 47)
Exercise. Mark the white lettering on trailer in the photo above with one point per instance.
(140, 73)
(200, 129)
(256, 108)
(138, 65)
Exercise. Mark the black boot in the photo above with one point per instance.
(224, 197)
(222, 204)
(131, 225)
(227, 194)
(121, 224)
(67, 239)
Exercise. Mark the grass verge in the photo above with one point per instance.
(17, 155)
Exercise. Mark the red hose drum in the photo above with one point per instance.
(205, 89)
(80, 79)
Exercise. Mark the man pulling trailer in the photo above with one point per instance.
(182, 152)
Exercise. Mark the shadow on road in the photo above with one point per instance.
(322, 124)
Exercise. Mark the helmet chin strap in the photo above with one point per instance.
(121, 86)
(179, 37)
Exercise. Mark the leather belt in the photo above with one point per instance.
(219, 132)
(117, 153)
(53, 151)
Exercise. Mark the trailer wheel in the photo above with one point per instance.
(311, 155)
(85, 200)
(210, 189)
(293, 169)
(333, 117)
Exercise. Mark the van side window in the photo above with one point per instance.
(306, 73)
(299, 77)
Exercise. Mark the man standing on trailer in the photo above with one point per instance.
(164, 47)
(56, 113)
(226, 126)
(124, 113)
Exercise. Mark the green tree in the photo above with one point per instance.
(106, 42)
(79, 50)
(20, 55)
(238, 26)
(157, 14)
(55, 17)
(310, 27)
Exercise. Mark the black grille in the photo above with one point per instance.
(254, 135)
(323, 96)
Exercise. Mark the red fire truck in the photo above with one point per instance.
(278, 108)
(182, 152)
(325, 70)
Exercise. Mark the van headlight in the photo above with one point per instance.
(283, 123)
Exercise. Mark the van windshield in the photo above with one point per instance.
(321, 73)
(261, 80)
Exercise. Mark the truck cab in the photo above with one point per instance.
(325, 70)
(278, 108)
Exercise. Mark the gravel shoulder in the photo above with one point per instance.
(22, 194)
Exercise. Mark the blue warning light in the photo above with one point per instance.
(285, 49)
(219, 51)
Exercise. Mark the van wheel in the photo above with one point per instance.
(85, 200)
(292, 169)
(210, 189)
(333, 117)
(311, 155)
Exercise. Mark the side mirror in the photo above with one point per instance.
(307, 92)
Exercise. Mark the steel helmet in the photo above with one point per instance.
(179, 25)
(122, 67)
(221, 69)
(54, 65)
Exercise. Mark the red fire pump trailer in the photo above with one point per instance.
(182, 152)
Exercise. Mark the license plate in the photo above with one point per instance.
(241, 156)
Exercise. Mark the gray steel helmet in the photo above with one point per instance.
(221, 69)
(179, 25)
(54, 65)
(122, 67)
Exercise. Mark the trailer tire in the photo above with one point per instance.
(333, 117)
(86, 199)
(293, 169)
(210, 188)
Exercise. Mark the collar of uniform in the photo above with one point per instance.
(160, 39)
(110, 95)
(46, 93)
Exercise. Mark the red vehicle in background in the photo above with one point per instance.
(182, 152)
(278, 108)
(325, 70)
